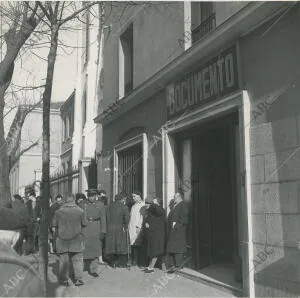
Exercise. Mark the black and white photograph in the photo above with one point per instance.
(149, 148)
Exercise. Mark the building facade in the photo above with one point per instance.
(86, 99)
(202, 97)
(28, 168)
(66, 178)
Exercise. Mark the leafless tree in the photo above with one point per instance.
(18, 22)
(57, 16)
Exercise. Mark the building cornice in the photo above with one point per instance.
(68, 102)
(240, 24)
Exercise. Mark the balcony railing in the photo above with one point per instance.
(204, 28)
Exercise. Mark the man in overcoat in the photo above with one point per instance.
(117, 245)
(95, 231)
(135, 227)
(68, 225)
(176, 243)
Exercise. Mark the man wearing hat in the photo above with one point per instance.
(95, 231)
(135, 226)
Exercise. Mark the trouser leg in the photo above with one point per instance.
(178, 259)
(29, 245)
(122, 260)
(134, 254)
(64, 266)
(152, 262)
(94, 266)
(169, 260)
(111, 258)
(77, 262)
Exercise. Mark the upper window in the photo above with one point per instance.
(126, 62)
(203, 19)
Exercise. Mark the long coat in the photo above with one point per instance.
(53, 208)
(155, 234)
(177, 221)
(14, 218)
(33, 212)
(96, 215)
(135, 223)
(117, 238)
(69, 222)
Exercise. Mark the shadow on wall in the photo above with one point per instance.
(277, 205)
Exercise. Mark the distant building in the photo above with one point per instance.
(65, 179)
(67, 116)
(86, 106)
(28, 168)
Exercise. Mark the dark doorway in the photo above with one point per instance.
(213, 225)
(212, 196)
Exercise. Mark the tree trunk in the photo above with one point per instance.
(43, 243)
(4, 162)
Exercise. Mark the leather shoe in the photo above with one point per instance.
(94, 274)
(79, 282)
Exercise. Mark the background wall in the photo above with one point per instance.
(150, 116)
(156, 30)
(271, 75)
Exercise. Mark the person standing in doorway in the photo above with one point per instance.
(176, 244)
(135, 227)
(68, 224)
(95, 232)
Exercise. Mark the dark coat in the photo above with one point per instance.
(21, 212)
(155, 234)
(96, 226)
(117, 238)
(177, 234)
(33, 215)
(69, 222)
(56, 206)
(14, 218)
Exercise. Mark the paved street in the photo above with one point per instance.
(135, 283)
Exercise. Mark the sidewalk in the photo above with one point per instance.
(134, 283)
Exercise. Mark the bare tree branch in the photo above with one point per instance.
(74, 14)
(14, 159)
(44, 10)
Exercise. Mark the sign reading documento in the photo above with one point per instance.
(211, 81)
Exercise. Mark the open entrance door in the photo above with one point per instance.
(213, 222)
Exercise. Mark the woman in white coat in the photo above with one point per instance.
(135, 226)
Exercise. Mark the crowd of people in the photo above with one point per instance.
(85, 231)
